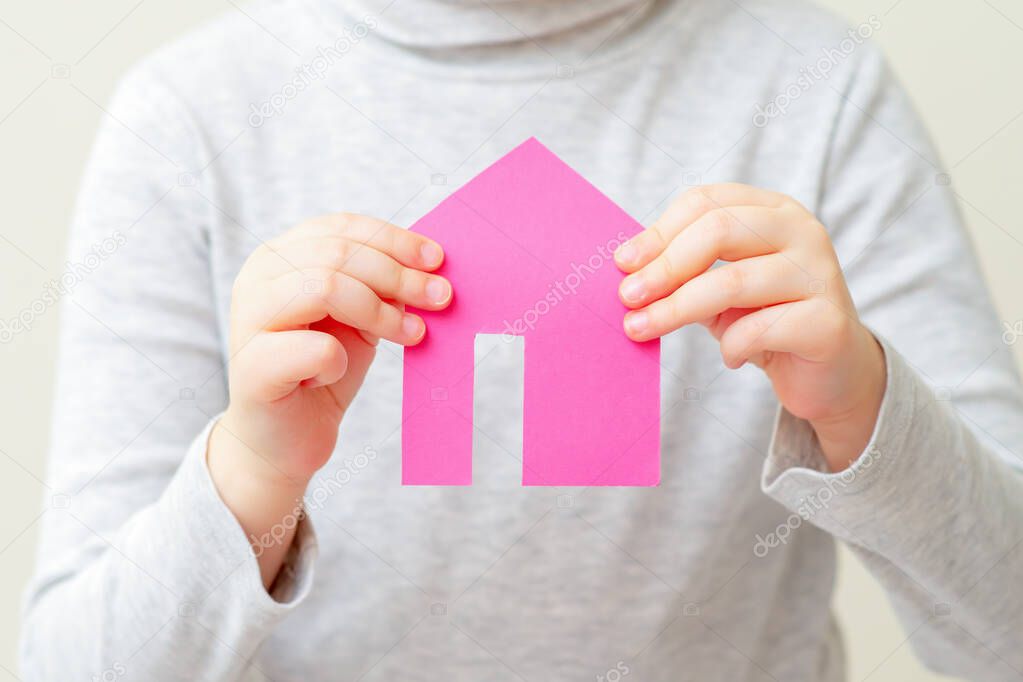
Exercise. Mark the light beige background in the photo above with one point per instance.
(962, 62)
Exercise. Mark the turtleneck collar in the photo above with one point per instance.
(517, 36)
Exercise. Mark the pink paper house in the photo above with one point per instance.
(528, 245)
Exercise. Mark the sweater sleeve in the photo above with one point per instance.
(139, 559)
(934, 505)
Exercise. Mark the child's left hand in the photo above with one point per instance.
(780, 302)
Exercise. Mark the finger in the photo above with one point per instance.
(749, 283)
(684, 211)
(408, 248)
(373, 339)
(717, 324)
(382, 273)
(283, 360)
(727, 234)
(307, 296)
(804, 328)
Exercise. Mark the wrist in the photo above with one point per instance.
(234, 461)
(845, 435)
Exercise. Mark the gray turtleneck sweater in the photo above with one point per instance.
(287, 110)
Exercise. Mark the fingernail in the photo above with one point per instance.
(626, 253)
(431, 254)
(411, 326)
(437, 291)
(636, 323)
(632, 289)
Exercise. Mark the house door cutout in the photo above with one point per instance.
(498, 392)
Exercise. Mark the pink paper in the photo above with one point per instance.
(528, 249)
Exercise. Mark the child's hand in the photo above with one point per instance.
(780, 302)
(307, 310)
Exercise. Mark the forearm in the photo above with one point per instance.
(937, 514)
(171, 574)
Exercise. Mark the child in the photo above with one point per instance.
(237, 354)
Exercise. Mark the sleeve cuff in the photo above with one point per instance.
(223, 574)
(796, 474)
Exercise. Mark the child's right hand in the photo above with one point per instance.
(307, 310)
